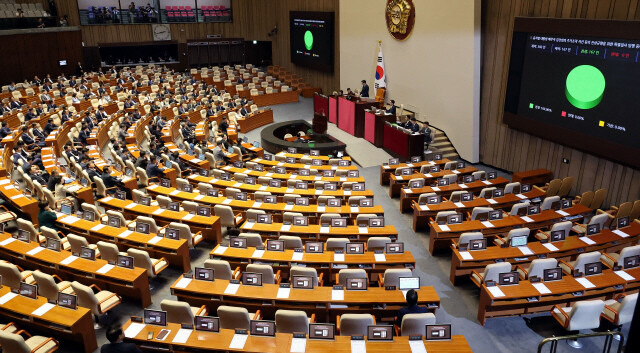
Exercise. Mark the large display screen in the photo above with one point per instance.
(579, 89)
(311, 36)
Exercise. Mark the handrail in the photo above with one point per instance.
(607, 342)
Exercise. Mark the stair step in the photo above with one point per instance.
(449, 149)
(443, 144)
(440, 139)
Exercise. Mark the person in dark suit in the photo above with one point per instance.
(414, 127)
(84, 135)
(244, 111)
(115, 345)
(392, 108)
(49, 127)
(153, 171)
(109, 180)
(14, 104)
(411, 308)
(365, 89)
(220, 107)
(5, 130)
(426, 131)
(224, 125)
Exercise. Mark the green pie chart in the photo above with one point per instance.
(308, 40)
(585, 86)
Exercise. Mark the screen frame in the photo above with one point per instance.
(327, 16)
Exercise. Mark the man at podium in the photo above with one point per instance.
(365, 90)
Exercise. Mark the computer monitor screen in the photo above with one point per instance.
(594, 268)
(622, 222)
(407, 283)
(145, 200)
(238, 164)
(241, 196)
(302, 201)
(258, 167)
(339, 222)
(355, 248)
(416, 159)
(492, 175)
(467, 179)
(533, 210)
(406, 171)
(264, 218)
(357, 187)
(353, 174)
(416, 184)
(207, 323)
(508, 278)
(394, 161)
(498, 193)
(225, 176)
(275, 245)
(89, 216)
(165, 182)
(292, 150)
(302, 282)
(53, 244)
(121, 195)
(302, 185)
(433, 200)
(302, 221)
(174, 206)
(434, 169)
(344, 163)
(142, 227)
(187, 187)
(87, 253)
(335, 202)
(454, 218)
(238, 242)
(495, 215)
(376, 222)
(204, 211)
(329, 173)
(204, 172)
(28, 290)
(270, 199)
(520, 240)
(314, 247)
(322, 331)
(394, 248)
(525, 187)
(252, 279)
(443, 182)
(357, 283)
(275, 183)
(24, 235)
(460, 165)
(250, 180)
(380, 333)
(557, 235)
(438, 332)
(593, 229)
(314, 153)
(631, 261)
(280, 170)
(304, 172)
(203, 274)
(68, 301)
(124, 261)
(477, 244)
(331, 186)
(268, 157)
(316, 162)
(155, 317)
(552, 274)
(66, 209)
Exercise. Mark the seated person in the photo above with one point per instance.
(46, 217)
(392, 108)
(115, 345)
(5, 130)
(300, 138)
(411, 308)
(153, 171)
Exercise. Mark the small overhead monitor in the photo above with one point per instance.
(322, 331)
(225, 176)
(631, 262)
(89, 216)
(355, 248)
(357, 284)
(66, 209)
(87, 253)
(556, 205)
(339, 222)
(394, 161)
(552, 274)
(267, 157)
(302, 201)
(316, 162)
(172, 233)
(525, 188)
(165, 182)
(251, 279)
(557, 235)
(302, 185)
(434, 169)
(334, 202)
(460, 165)
(270, 199)
(380, 333)
(203, 274)
(155, 317)
(245, 139)
(433, 200)
(344, 163)
(238, 164)
(62, 62)
(492, 175)
(593, 229)
(275, 245)
(256, 144)
(174, 206)
(250, 180)
(280, 170)
(508, 278)
(53, 244)
(519, 240)
(238, 242)
(454, 218)
(467, 179)
(498, 193)
(68, 301)
(477, 244)
(302, 282)
(565, 203)
(443, 182)
(328, 173)
(416, 159)
(394, 248)
(533, 210)
(142, 227)
(416, 184)
(24, 235)
(207, 323)
(187, 188)
(204, 211)
(495, 215)
(622, 222)
(438, 332)
(366, 202)
(357, 187)
(593, 268)
(241, 196)
(301, 221)
(290, 160)
(258, 167)
(407, 283)
(330, 186)
(145, 200)
(28, 290)
(275, 183)
(406, 171)
(314, 153)
(204, 173)
(376, 222)
(437, 157)
(292, 150)
(124, 261)
(264, 218)
(314, 247)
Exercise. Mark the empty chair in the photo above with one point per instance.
(578, 264)
(449, 165)
(309, 272)
(553, 187)
(363, 218)
(227, 217)
(99, 303)
(222, 269)
(377, 243)
(480, 211)
(109, 251)
(290, 198)
(582, 315)
(333, 244)
(354, 324)
(548, 201)
(123, 221)
(288, 216)
(617, 259)
(481, 174)
(451, 178)
(414, 324)
(326, 217)
(422, 199)
(27, 226)
(47, 286)
(585, 199)
(57, 235)
(15, 343)
(564, 227)
(290, 321)
(190, 206)
(536, 268)
(252, 214)
(391, 276)
(487, 193)
(441, 217)
(456, 195)
(511, 187)
(518, 206)
(181, 312)
(512, 233)
(153, 227)
(12, 275)
(619, 311)
(565, 186)
(635, 210)
(291, 242)
(601, 219)
(598, 199)
(142, 259)
(232, 317)
(490, 273)
(465, 238)
(268, 276)
(341, 277)
(253, 239)
(76, 243)
(184, 231)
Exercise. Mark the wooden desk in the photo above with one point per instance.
(515, 300)
(293, 175)
(397, 182)
(317, 300)
(192, 161)
(50, 162)
(255, 120)
(209, 226)
(536, 176)
(262, 100)
(315, 231)
(440, 238)
(409, 195)
(402, 143)
(130, 183)
(387, 170)
(294, 166)
(200, 341)
(17, 199)
(59, 322)
(374, 126)
(571, 247)
(298, 156)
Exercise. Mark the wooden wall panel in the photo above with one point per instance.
(252, 19)
(514, 150)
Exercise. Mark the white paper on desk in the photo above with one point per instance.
(324, 229)
(68, 260)
(134, 329)
(104, 269)
(355, 209)
(248, 225)
(97, 227)
(237, 185)
(399, 177)
(258, 253)
(226, 167)
(4, 181)
(358, 346)
(174, 192)
(334, 167)
(183, 282)
(464, 186)
(125, 234)
(14, 197)
(386, 167)
(363, 230)
(435, 188)
(321, 208)
(150, 187)
(541, 288)
(550, 247)
(496, 292)
(196, 160)
(525, 250)
(226, 201)
(131, 205)
(347, 192)
(5, 298)
(289, 189)
(298, 345)
(220, 250)
(269, 174)
(585, 282)
(410, 165)
(7, 241)
(70, 219)
(424, 208)
(280, 164)
(288, 207)
(188, 217)
(587, 240)
(625, 276)
(154, 240)
(9, 187)
(283, 293)
(182, 336)
(492, 201)
(487, 224)
(458, 204)
(285, 228)
(257, 204)
(621, 233)
(417, 346)
(232, 288)
(486, 182)
(35, 250)
(238, 341)
(520, 196)
(444, 228)
(317, 177)
(338, 257)
(157, 211)
(380, 257)
(562, 213)
(318, 192)
(199, 197)
(456, 172)
(527, 219)
(466, 255)
(263, 187)
(408, 191)
(337, 294)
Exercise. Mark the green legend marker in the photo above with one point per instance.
(530, 105)
(585, 86)
(308, 40)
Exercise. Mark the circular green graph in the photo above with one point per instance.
(585, 86)
(308, 40)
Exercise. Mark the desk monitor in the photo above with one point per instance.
(165, 182)
(238, 242)
(264, 218)
(245, 139)
(416, 159)
(89, 216)
(508, 278)
(256, 144)
(53, 244)
(302, 282)
(204, 173)
(622, 222)
(460, 165)
(437, 157)
(343, 163)
(407, 283)
(187, 187)
(314, 247)
(522, 211)
(238, 164)
(23, 235)
(355, 248)
(174, 206)
(454, 218)
(203, 274)
(145, 201)
(129, 172)
(301, 221)
(68, 301)
(88, 253)
(555, 205)
(495, 215)
(357, 187)
(376, 222)
(251, 279)
(202, 157)
(353, 174)
(322, 331)
(258, 167)
(28, 290)
(292, 150)
(66, 209)
(467, 179)
(524, 188)
(314, 153)
(366, 202)
(207, 323)
(142, 227)
(533, 210)
(302, 201)
(557, 235)
(124, 261)
(443, 182)
(84, 182)
(380, 333)
(438, 332)
(631, 261)
(280, 170)
(241, 196)
(566, 203)
(477, 244)
(303, 185)
(328, 173)
(262, 328)
(172, 233)
(155, 317)
(316, 162)
(416, 184)
(304, 172)
(520, 240)
(434, 169)
(357, 284)
(225, 176)
(334, 202)
(275, 183)
(204, 211)
(593, 229)
(594, 268)
(492, 175)
(275, 245)
(552, 274)
(270, 199)
(339, 222)
(331, 186)
(498, 193)
(433, 200)
(121, 195)
(394, 161)
(267, 157)
(406, 171)
(394, 248)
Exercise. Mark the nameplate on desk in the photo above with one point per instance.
(417, 345)
(68, 260)
(125, 234)
(257, 204)
(182, 336)
(466, 255)
(337, 294)
(363, 230)
(324, 229)
(283, 293)
(525, 250)
(424, 207)
(238, 341)
(131, 205)
(435, 188)
(527, 219)
(562, 213)
(541, 288)
(347, 192)
(220, 250)
(174, 192)
(4, 181)
(70, 219)
(487, 224)
(464, 186)
(43, 309)
(520, 196)
(227, 201)
(620, 233)
(155, 240)
(496, 292)
(380, 257)
(338, 257)
(258, 253)
(456, 172)
(104, 269)
(183, 282)
(188, 217)
(285, 228)
(15, 197)
(232, 288)
(35, 250)
(444, 228)
(150, 187)
(585, 282)
(486, 182)
(196, 160)
(10, 187)
(7, 241)
(625, 276)
(5, 298)
(157, 211)
(199, 197)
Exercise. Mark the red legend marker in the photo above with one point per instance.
(564, 113)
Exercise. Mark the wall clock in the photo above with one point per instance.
(161, 31)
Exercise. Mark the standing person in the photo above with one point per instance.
(426, 131)
(365, 89)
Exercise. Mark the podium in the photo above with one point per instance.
(319, 123)
(351, 114)
(374, 126)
